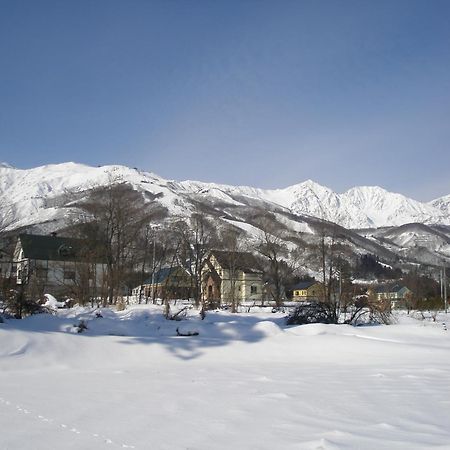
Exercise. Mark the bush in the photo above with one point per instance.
(81, 326)
(19, 305)
(309, 312)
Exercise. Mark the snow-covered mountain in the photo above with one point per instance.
(442, 203)
(35, 196)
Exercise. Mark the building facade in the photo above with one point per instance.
(59, 266)
(232, 277)
(307, 290)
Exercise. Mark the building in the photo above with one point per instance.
(307, 290)
(397, 294)
(229, 277)
(58, 265)
(169, 283)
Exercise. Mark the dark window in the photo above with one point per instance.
(41, 272)
(253, 289)
(69, 275)
(65, 251)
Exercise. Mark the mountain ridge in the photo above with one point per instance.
(28, 190)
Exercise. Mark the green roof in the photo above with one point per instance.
(55, 248)
(162, 275)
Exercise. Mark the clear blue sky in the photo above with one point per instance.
(263, 93)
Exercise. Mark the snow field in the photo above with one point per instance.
(245, 382)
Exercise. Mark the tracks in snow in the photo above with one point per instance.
(69, 428)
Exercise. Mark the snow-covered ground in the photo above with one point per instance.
(245, 382)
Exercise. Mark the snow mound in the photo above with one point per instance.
(267, 328)
(315, 329)
(52, 303)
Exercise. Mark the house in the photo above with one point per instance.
(307, 290)
(229, 277)
(58, 265)
(168, 283)
(397, 294)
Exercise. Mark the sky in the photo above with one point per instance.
(260, 93)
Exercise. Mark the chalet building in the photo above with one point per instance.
(397, 294)
(168, 283)
(232, 275)
(57, 265)
(307, 290)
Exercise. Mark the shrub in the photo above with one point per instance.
(19, 305)
(309, 312)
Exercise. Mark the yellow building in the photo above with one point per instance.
(307, 290)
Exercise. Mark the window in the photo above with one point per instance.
(69, 275)
(65, 251)
(253, 289)
(42, 272)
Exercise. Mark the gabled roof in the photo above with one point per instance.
(389, 288)
(55, 248)
(164, 273)
(304, 285)
(244, 261)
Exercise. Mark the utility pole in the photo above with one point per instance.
(154, 228)
(445, 290)
(153, 268)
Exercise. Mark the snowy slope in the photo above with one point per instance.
(37, 195)
(416, 241)
(389, 209)
(442, 203)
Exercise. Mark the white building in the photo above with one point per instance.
(58, 265)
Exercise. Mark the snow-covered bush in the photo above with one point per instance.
(120, 305)
(81, 326)
(52, 303)
(357, 313)
(309, 312)
(179, 315)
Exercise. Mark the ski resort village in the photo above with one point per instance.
(137, 312)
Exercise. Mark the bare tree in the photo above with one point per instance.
(231, 242)
(332, 270)
(196, 239)
(273, 248)
(116, 215)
